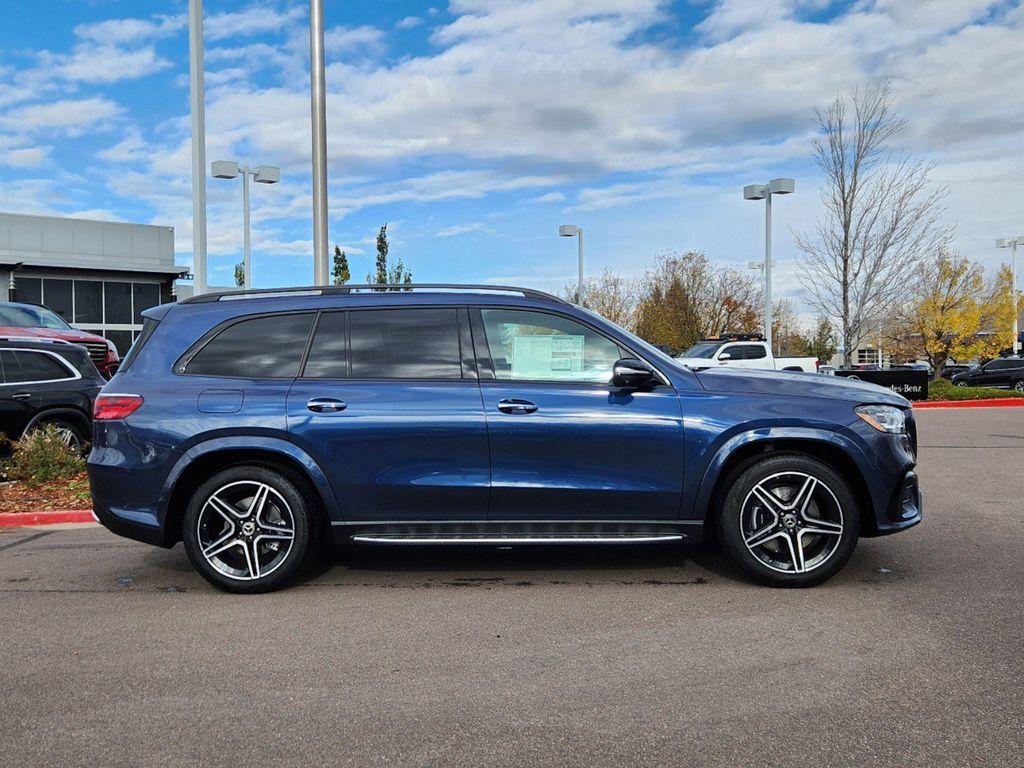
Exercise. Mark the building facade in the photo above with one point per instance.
(98, 275)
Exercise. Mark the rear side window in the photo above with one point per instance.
(267, 347)
(24, 367)
(405, 344)
(755, 352)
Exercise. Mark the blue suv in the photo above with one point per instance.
(256, 426)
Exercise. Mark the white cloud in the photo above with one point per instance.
(254, 20)
(550, 197)
(341, 40)
(409, 22)
(70, 116)
(462, 229)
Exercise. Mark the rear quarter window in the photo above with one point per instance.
(265, 347)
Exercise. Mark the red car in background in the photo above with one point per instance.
(31, 321)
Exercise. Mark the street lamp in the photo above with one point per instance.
(571, 230)
(765, 192)
(1012, 245)
(263, 174)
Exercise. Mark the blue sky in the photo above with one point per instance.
(474, 128)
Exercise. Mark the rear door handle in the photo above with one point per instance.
(513, 405)
(326, 405)
(21, 396)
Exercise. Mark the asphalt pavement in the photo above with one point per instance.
(113, 653)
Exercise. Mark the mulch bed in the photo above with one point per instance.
(69, 493)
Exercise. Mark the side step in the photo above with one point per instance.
(500, 539)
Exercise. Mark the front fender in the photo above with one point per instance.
(710, 470)
(253, 443)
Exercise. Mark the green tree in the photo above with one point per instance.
(340, 270)
(822, 342)
(240, 274)
(398, 275)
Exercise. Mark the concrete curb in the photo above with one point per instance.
(999, 402)
(19, 519)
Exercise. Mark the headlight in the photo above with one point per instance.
(884, 418)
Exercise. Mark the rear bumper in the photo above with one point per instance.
(131, 525)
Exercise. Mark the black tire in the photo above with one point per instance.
(959, 383)
(1018, 386)
(287, 506)
(832, 505)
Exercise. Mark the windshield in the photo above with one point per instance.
(29, 316)
(705, 350)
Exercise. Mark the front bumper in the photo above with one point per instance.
(906, 508)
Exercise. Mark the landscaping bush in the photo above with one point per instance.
(42, 456)
(940, 389)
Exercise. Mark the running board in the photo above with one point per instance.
(500, 540)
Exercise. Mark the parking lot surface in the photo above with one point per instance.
(114, 653)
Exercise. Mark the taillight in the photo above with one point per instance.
(109, 407)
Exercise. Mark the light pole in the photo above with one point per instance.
(571, 230)
(262, 174)
(197, 93)
(1012, 245)
(318, 110)
(765, 192)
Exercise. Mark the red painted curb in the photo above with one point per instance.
(17, 519)
(999, 402)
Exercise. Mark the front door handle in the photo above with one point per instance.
(21, 396)
(326, 405)
(513, 405)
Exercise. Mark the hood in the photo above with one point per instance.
(760, 382)
(68, 334)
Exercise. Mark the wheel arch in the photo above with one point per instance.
(48, 414)
(203, 460)
(820, 447)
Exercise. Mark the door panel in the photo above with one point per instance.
(565, 445)
(396, 450)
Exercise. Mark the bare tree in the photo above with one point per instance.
(881, 215)
(611, 296)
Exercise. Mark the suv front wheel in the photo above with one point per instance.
(249, 529)
(788, 520)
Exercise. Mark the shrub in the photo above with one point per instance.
(940, 389)
(43, 455)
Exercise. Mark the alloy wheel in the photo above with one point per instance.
(1019, 386)
(245, 530)
(961, 384)
(791, 522)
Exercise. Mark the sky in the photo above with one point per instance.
(475, 128)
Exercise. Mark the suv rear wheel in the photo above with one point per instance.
(249, 529)
(788, 520)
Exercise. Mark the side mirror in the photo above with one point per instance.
(632, 373)
(725, 356)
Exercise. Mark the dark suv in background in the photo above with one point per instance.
(251, 425)
(1001, 373)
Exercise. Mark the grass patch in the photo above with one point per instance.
(940, 389)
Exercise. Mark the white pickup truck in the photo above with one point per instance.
(742, 351)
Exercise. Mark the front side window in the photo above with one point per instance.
(24, 367)
(536, 346)
(268, 347)
(328, 354)
(404, 344)
(735, 352)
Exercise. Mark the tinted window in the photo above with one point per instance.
(405, 344)
(88, 301)
(145, 296)
(29, 289)
(755, 352)
(328, 357)
(267, 347)
(118, 302)
(25, 367)
(57, 296)
(535, 346)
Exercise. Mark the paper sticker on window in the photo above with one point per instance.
(547, 357)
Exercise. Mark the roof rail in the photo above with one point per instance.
(334, 290)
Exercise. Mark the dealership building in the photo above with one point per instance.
(98, 275)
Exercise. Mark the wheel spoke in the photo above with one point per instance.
(824, 528)
(796, 551)
(769, 500)
(259, 501)
(804, 496)
(222, 544)
(226, 510)
(252, 559)
(764, 535)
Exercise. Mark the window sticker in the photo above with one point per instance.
(547, 357)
